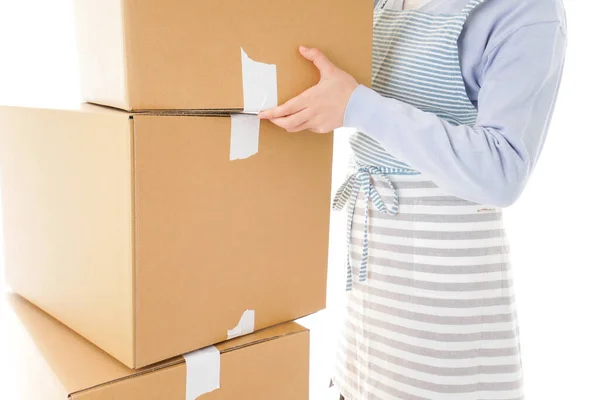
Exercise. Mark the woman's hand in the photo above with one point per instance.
(321, 108)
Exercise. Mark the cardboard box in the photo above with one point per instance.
(46, 360)
(139, 232)
(186, 54)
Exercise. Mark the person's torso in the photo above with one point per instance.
(416, 61)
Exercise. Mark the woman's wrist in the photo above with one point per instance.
(361, 107)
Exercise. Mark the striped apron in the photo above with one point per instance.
(430, 311)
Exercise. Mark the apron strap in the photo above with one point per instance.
(361, 181)
(468, 8)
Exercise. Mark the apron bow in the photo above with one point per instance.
(362, 181)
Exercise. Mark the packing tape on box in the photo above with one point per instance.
(203, 367)
(259, 85)
(245, 131)
(244, 327)
(259, 81)
(203, 372)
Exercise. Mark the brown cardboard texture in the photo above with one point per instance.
(186, 54)
(44, 359)
(139, 233)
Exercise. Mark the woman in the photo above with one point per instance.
(463, 92)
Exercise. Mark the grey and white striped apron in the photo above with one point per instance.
(430, 309)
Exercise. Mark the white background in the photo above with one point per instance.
(553, 228)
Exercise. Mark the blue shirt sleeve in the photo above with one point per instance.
(488, 163)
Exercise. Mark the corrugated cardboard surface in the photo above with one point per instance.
(249, 234)
(186, 54)
(101, 49)
(50, 361)
(211, 238)
(66, 185)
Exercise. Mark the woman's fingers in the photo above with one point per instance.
(303, 127)
(294, 122)
(290, 107)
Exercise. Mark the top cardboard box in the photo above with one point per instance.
(186, 54)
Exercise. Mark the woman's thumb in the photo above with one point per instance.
(318, 58)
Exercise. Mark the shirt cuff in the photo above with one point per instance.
(361, 107)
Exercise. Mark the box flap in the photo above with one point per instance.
(264, 335)
(77, 364)
(107, 110)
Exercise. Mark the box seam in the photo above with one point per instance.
(134, 241)
(179, 360)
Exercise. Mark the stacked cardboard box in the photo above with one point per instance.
(173, 219)
(46, 360)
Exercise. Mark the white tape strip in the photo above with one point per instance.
(259, 83)
(203, 372)
(245, 131)
(244, 327)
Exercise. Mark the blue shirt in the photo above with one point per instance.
(512, 56)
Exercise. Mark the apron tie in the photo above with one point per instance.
(362, 181)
